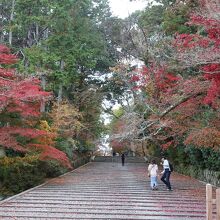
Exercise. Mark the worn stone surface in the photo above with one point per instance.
(117, 159)
(103, 190)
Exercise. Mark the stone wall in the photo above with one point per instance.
(208, 176)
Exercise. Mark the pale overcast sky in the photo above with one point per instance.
(122, 8)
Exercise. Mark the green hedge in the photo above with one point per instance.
(201, 158)
(52, 168)
(182, 156)
(18, 174)
(21, 173)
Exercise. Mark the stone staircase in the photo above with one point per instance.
(107, 191)
(117, 159)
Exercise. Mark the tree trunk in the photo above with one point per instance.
(60, 92)
(45, 33)
(2, 152)
(11, 19)
(142, 146)
(43, 84)
(37, 34)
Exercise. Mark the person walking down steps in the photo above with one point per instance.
(152, 173)
(166, 173)
(123, 159)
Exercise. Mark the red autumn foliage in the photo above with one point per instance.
(118, 146)
(162, 79)
(22, 96)
(176, 105)
(167, 145)
(135, 78)
(205, 55)
(6, 57)
(9, 141)
(16, 90)
(49, 152)
(202, 49)
(206, 137)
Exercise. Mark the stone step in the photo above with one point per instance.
(110, 198)
(99, 213)
(88, 205)
(117, 159)
(98, 216)
(102, 190)
(108, 195)
(148, 211)
(118, 201)
(109, 203)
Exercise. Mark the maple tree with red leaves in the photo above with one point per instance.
(118, 146)
(178, 106)
(202, 50)
(20, 109)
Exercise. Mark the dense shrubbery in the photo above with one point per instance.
(184, 156)
(52, 168)
(200, 158)
(65, 145)
(18, 174)
(200, 163)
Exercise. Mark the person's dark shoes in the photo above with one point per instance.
(169, 189)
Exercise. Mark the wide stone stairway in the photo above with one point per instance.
(108, 190)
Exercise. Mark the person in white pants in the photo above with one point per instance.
(153, 170)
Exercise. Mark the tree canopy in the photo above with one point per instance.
(175, 95)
